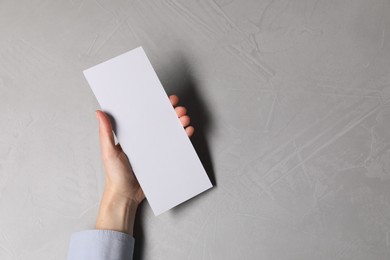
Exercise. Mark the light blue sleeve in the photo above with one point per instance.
(101, 245)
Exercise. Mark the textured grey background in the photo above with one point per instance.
(291, 100)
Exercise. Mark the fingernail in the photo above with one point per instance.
(96, 114)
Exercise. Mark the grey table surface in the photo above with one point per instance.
(291, 101)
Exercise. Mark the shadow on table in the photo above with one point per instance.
(185, 87)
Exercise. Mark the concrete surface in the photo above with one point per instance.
(291, 100)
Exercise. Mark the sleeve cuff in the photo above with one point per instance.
(101, 244)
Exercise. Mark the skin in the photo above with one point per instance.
(122, 193)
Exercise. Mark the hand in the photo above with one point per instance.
(122, 193)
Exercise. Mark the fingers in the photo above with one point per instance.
(106, 136)
(180, 111)
(182, 115)
(174, 100)
(190, 130)
(185, 120)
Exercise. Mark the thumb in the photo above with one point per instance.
(106, 136)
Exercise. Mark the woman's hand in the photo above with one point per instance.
(122, 193)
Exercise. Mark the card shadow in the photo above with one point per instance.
(182, 83)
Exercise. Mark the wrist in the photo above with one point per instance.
(116, 213)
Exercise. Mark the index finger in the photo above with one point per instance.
(174, 100)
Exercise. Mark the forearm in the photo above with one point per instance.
(116, 213)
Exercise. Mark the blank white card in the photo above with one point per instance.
(148, 129)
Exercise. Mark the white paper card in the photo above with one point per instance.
(148, 129)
